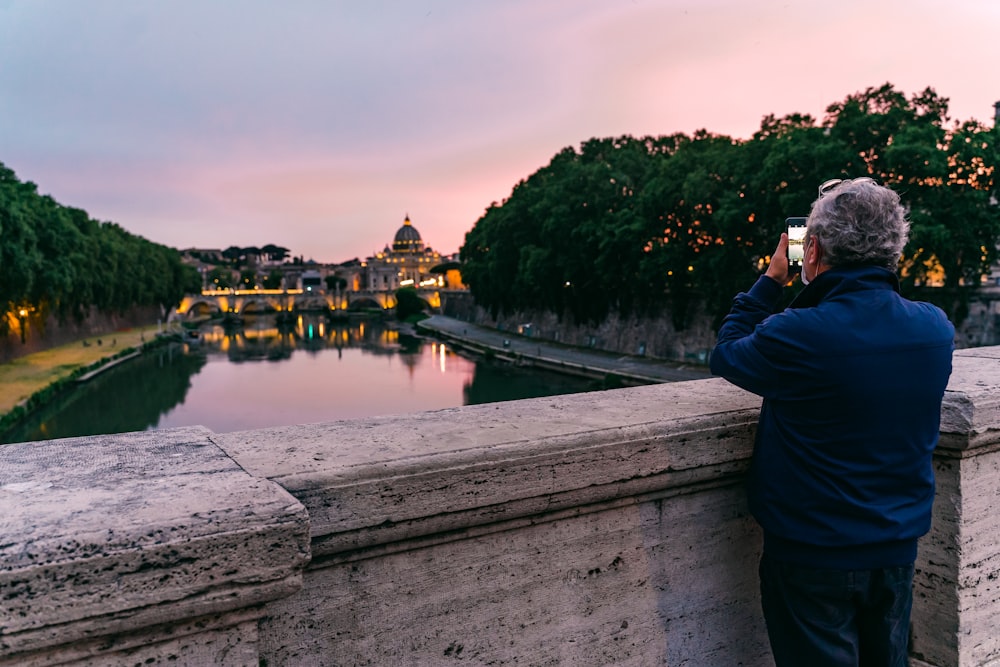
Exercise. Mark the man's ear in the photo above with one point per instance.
(814, 253)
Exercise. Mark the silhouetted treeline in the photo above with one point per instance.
(57, 259)
(644, 225)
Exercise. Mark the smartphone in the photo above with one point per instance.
(796, 240)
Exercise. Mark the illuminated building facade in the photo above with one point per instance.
(407, 263)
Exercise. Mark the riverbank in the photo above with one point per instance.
(29, 380)
(524, 350)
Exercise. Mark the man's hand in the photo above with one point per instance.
(777, 270)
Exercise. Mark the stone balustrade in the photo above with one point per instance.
(593, 529)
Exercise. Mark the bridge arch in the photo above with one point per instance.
(363, 303)
(256, 306)
(200, 308)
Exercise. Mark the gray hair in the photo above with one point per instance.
(858, 222)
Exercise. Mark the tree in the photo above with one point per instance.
(580, 212)
(220, 277)
(636, 225)
(275, 252)
(57, 259)
(273, 279)
(408, 303)
(190, 279)
(234, 254)
(20, 259)
(334, 282)
(248, 279)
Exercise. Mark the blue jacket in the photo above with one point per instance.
(852, 376)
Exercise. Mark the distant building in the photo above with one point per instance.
(312, 281)
(450, 272)
(407, 262)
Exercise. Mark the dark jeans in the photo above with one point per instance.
(836, 618)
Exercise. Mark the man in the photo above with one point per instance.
(841, 482)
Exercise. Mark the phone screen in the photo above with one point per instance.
(796, 239)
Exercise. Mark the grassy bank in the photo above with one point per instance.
(29, 381)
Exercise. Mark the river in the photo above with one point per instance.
(263, 375)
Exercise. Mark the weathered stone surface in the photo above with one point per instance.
(956, 590)
(415, 494)
(661, 582)
(113, 534)
(935, 617)
(603, 528)
(377, 480)
(221, 640)
(956, 596)
(979, 575)
(971, 407)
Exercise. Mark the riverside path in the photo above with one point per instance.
(554, 356)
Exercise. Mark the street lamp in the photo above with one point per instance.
(22, 315)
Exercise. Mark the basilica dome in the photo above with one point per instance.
(408, 239)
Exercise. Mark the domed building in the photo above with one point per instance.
(407, 262)
(407, 239)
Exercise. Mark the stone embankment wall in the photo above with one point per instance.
(981, 327)
(43, 332)
(643, 336)
(593, 529)
(658, 338)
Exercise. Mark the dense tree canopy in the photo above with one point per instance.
(238, 256)
(643, 225)
(220, 278)
(57, 259)
(408, 303)
(335, 282)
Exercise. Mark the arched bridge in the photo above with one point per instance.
(259, 301)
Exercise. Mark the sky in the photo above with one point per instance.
(318, 125)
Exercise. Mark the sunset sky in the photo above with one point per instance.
(318, 125)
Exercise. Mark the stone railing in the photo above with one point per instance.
(594, 529)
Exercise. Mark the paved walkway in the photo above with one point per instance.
(553, 355)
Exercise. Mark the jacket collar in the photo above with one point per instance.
(844, 279)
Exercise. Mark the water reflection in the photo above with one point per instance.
(132, 396)
(495, 382)
(271, 373)
(266, 338)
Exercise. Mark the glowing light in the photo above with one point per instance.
(442, 356)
